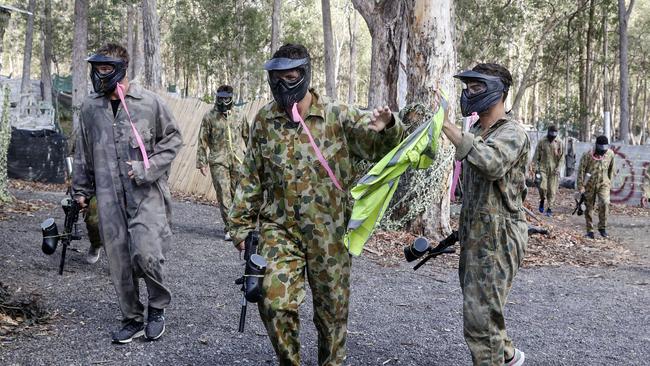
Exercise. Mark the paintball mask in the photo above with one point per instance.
(551, 134)
(484, 92)
(224, 101)
(287, 92)
(105, 83)
(602, 145)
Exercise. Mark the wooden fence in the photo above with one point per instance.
(184, 177)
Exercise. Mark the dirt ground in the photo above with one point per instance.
(580, 307)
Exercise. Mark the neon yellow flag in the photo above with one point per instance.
(374, 191)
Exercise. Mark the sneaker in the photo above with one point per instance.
(93, 255)
(132, 329)
(549, 212)
(227, 237)
(541, 206)
(603, 233)
(590, 235)
(517, 359)
(155, 323)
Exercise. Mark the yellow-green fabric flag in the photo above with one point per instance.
(373, 192)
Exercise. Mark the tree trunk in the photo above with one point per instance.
(432, 62)
(385, 20)
(352, 79)
(79, 64)
(5, 15)
(5, 138)
(275, 25)
(151, 37)
(623, 17)
(328, 42)
(25, 84)
(585, 125)
(607, 119)
(130, 37)
(46, 62)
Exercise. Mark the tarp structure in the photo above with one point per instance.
(37, 156)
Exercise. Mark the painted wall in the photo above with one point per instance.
(631, 162)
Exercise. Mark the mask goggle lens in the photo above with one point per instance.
(104, 69)
(290, 78)
(474, 87)
(224, 100)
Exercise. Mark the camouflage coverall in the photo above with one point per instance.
(304, 220)
(548, 159)
(493, 233)
(134, 214)
(225, 137)
(598, 186)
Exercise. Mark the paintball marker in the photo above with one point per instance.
(580, 199)
(421, 246)
(253, 276)
(50, 231)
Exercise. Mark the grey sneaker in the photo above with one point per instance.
(517, 359)
(227, 237)
(155, 323)
(131, 330)
(93, 255)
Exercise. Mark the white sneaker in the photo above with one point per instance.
(227, 237)
(517, 359)
(93, 255)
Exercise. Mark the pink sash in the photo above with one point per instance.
(319, 155)
(120, 93)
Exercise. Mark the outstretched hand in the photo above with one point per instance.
(380, 118)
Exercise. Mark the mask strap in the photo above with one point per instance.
(319, 155)
(120, 93)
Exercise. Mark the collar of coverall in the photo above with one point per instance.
(135, 91)
(316, 109)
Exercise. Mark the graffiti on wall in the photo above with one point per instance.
(627, 185)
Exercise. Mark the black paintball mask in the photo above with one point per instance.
(602, 145)
(479, 98)
(224, 101)
(105, 83)
(551, 134)
(286, 92)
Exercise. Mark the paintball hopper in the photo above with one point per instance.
(50, 236)
(253, 275)
(416, 250)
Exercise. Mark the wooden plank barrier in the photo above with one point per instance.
(184, 176)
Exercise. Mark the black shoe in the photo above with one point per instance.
(155, 323)
(603, 233)
(549, 212)
(541, 206)
(590, 235)
(132, 329)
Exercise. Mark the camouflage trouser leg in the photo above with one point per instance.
(600, 195)
(327, 266)
(92, 224)
(551, 181)
(489, 259)
(542, 187)
(222, 182)
(328, 272)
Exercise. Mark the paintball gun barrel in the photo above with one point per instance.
(251, 281)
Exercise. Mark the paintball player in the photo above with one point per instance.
(599, 163)
(307, 205)
(224, 134)
(125, 147)
(493, 231)
(548, 161)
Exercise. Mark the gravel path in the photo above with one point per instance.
(557, 315)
